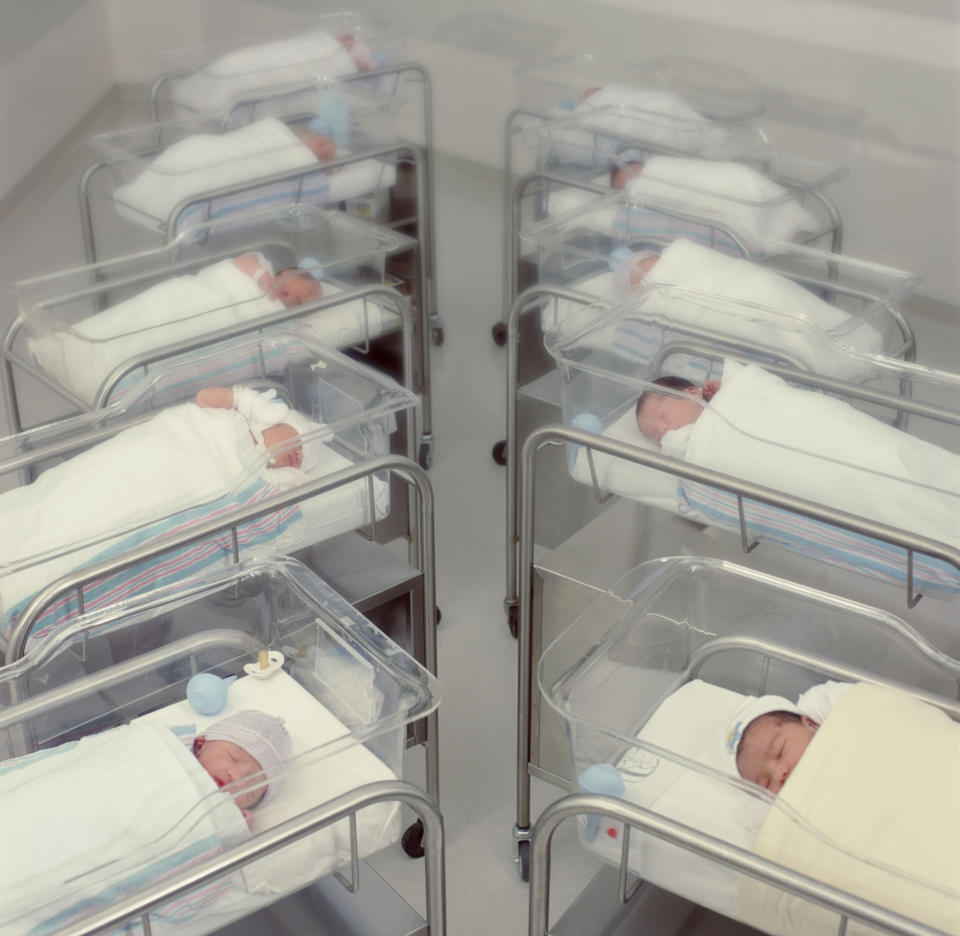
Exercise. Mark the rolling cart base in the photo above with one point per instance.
(652, 911)
(326, 908)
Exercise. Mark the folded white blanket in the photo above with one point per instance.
(888, 834)
(653, 116)
(82, 357)
(308, 56)
(804, 443)
(85, 820)
(728, 192)
(209, 161)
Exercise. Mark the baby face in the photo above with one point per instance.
(770, 750)
(228, 763)
(660, 413)
(278, 436)
(623, 174)
(320, 145)
(294, 287)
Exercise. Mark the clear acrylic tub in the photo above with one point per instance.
(128, 486)
(648, 677)
(163, 174)
(82, 324)
(345, 691)
(214, 75)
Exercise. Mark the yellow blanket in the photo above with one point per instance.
(880, 781)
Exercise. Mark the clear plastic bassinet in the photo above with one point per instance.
(212, 75)
(718, 632)
(81, 325)
(176, 173)
(345, 413)
(345, 691)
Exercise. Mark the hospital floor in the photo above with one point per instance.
(40, 233)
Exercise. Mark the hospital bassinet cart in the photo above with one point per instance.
(348, 696)
(661, 653)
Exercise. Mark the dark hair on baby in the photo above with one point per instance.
(670, 382)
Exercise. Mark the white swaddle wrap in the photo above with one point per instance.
(206, 162)
(82, 357)
(729, 192)
(644, 115)
(759, 428)
(315, 54)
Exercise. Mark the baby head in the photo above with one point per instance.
(771, 746)
(659, 413)
(241, 752)
(319, 144)
(622, 173)
(293, 286)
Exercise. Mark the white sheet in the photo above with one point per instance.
(311, 725)
(617, 115)
(728, 191)
(759, 428)
(183, 307)
(209, 161)
(99, 812)
(307, 56)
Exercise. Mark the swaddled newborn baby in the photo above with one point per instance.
(243, 754)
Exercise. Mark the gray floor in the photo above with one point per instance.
(40, 233)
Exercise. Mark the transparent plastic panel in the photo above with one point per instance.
(329, 45)
(343, 689)
(161, 469)
(652, 674)
(715, 91)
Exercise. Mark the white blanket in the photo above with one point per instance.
(877, 793)
(308, 56)
(84, 821)
(729, 192)
(183, 307)
(652, 116)
(182, 457)
(813, 446)
(205, 162)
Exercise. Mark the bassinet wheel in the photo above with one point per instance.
(499, 452)
(499, 332)
(513, 620)
(523, 851)
(412, 840)
(425, 456)
(437, 336)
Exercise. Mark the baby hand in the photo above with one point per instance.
(260, 408)
(710, 389)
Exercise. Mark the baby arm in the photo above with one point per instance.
(254, 266)
(215, 397)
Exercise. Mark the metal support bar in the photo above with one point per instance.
(705, 846)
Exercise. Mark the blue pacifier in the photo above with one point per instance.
(600, 778)
(207, 693)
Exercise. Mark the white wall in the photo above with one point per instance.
(55, 64)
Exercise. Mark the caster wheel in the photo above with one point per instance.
(499, 332)
(437, 336)
(425, 457)
(513, 622)
(499, 452)
(412, 840)
(524, 850)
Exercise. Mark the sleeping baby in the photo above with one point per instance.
(243, 751)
